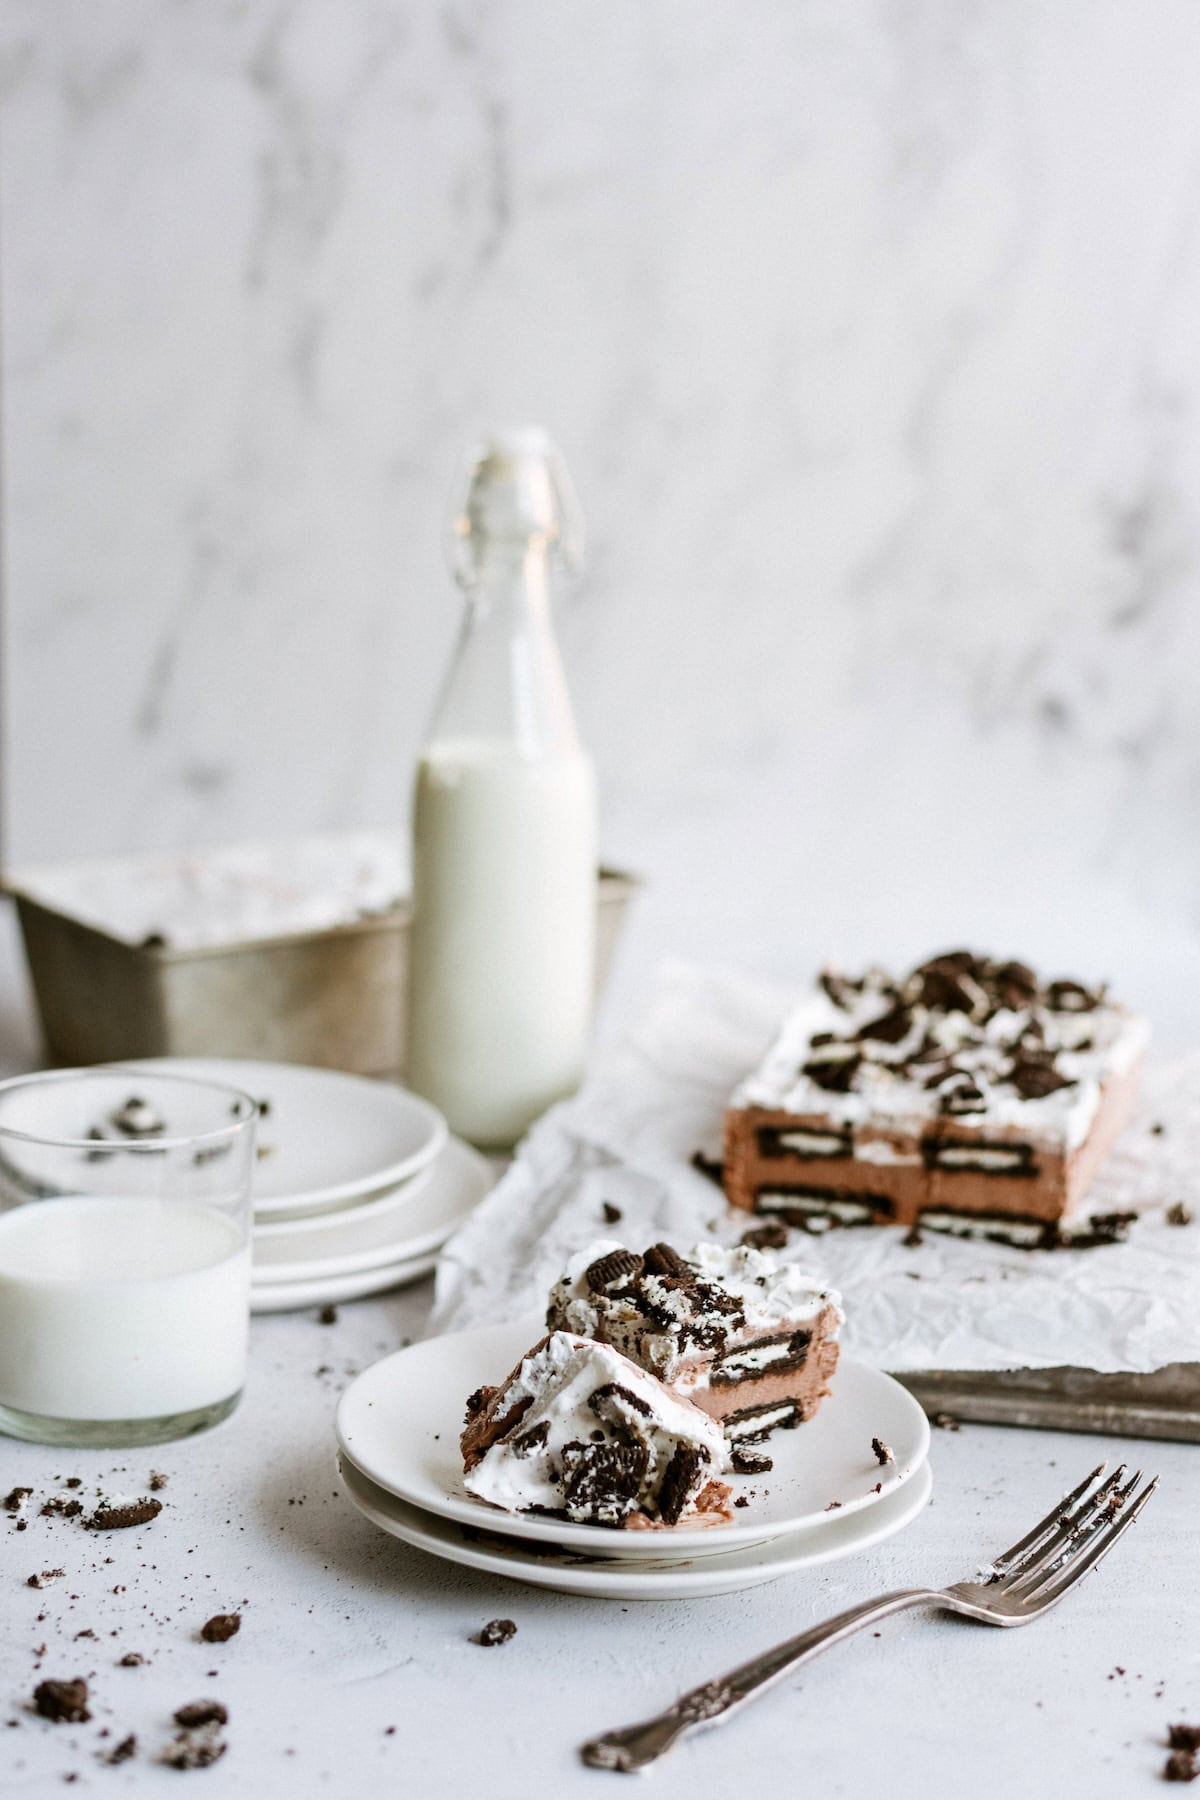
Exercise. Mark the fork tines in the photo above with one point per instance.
(1072, 1538)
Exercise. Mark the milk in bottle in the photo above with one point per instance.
(504, 820)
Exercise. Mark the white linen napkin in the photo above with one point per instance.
(627, 1137)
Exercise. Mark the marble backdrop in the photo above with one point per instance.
(870, 332)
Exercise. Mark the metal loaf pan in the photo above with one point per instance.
(333, 997)
(1162, 1404)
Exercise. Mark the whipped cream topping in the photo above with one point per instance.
(905, 1054)
(563, 1381)
(762, 1296)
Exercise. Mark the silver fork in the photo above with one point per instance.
(1026, 1581)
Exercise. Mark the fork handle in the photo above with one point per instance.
(638, 1745)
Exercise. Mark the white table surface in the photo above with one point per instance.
(354, 1672)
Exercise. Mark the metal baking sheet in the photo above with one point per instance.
(1163, 1404)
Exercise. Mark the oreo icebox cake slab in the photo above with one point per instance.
(967, 1096)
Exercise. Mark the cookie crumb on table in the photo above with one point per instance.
(496, 1631)
(221, 1627)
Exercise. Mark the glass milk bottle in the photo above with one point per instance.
(504, 819)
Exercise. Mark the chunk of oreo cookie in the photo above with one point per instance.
(531, 1440)
(771, 1236)
(618, 1265)
(602, 1403)
(892, 1027)
(602, 1481)
(662, 1259)
(1034, 1079)
(749, 1462)
(680, 1482)
(63, 1702)
(835, 1074)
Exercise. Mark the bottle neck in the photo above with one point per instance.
(511, 587)
(506, 683)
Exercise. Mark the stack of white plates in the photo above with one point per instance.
(357, 1184)
(826, 1497)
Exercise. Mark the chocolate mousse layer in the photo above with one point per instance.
(966, 1089)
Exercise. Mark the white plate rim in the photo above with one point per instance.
(364, 1207)
(316, 1199)
(501, 1346)
(459, 1166)
(294, 1296)
(749, 1566)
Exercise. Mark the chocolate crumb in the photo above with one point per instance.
(883, 1452)
(65, 1702)
(57, 1507)
(132, 1659)
(1181, 1765)
(496, 1631)
(16, 1498)
(120, 1518)
(190, 1752)
(157, 1481)
(1157, 1129)
(771, 1236)
(221, 1627)
(327, 1315)
(73, 1481)
(947, 1422)
(123, 1751)
(612, 1214)
(834, 1506)
(742, 1500)
(1179, 1214)
(201, 1712)
(45, 1578)
(1183, 1737)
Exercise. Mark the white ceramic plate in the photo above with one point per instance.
(291, 1296)
(607, 1580)
(354, 1210)
(399, 1422)
(420, 1217)
(330, 1137)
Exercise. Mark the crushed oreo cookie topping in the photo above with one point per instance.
(884, 1453)
(982, 1033)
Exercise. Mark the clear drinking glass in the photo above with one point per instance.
(124, 1255)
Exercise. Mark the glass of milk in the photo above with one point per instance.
(124, 1255)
